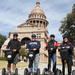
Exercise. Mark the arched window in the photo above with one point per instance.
(34, 21)
(40, 22)
(44, 23)
(37, 21)
(30, 21)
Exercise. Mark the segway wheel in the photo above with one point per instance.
(16, 71)
(58, 72)
(44, 71)
(38, 72)
(73, 72)
(26, 71)
(3, 71)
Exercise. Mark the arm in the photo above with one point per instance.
(19, 45)
(56, 45)
(71, 49)
(39, 45)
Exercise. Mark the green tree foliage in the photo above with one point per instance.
(2, 39)
(68, 26)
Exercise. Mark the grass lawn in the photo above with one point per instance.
(19, 65)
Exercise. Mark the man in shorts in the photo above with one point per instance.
(14, 45)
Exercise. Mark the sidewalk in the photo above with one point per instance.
(41, 66)
(58, 66)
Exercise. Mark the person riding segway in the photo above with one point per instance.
(12, 54)
(33, 46)
(66, 52)
(51, 46)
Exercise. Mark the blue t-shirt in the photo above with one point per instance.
(34, 44)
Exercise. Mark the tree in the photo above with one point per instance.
(2, 40)
(68, 26)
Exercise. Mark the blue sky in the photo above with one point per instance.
(15, 12)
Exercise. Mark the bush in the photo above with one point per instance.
(23, 52)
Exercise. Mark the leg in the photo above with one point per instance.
(15, 61)
(69, 67)
(63, 67)
(49, 62)
(54, 62)
(30, 64)
(9, 66)
(13, 67)
(36, 62)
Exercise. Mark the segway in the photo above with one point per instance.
(58, 72)
(9, 73)
(47, 72)
(26, 71)
(3, 71)
(73, 72)
(8, 54)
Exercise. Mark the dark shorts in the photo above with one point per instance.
(15, 60)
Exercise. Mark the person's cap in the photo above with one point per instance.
(52, 35)
(15, 34)
(33, 36)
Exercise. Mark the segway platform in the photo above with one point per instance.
(73, 72)
(46, 72)
(26, 72)
(9, 73)
(58, 72)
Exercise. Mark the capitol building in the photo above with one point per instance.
(35, 24)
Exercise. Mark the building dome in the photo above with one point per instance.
(37, 12)
(37, 16)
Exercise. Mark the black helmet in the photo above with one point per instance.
(52, 35)
(15, 34)
(65, 36)
(33, 36)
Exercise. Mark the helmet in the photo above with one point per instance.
(33, 36)
(65, 36)
(15, 34)
(52, 35)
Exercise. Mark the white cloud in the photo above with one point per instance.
(15, 12)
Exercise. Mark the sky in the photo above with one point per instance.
(15, 12)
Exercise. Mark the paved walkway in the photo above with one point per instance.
(41, 66)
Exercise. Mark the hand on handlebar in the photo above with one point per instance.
(14, 50)
(51, 49)
(34, 49)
